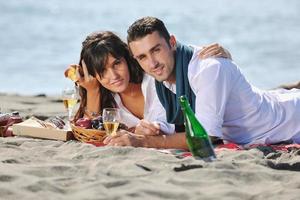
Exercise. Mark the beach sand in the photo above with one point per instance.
(46, 169)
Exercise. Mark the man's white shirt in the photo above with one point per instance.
(229, 107)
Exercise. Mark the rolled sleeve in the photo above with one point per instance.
(154, 110)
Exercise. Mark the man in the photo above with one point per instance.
(222, 99)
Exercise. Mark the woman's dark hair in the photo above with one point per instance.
(95, 51)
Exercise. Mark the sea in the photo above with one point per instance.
(39, 39)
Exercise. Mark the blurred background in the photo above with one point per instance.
(40, 38)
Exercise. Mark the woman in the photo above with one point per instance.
(110, 77)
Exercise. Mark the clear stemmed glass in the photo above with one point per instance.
(111, 120)
(70, 97)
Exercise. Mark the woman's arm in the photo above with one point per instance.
(90, 96)
(92, 109)
(92, 86)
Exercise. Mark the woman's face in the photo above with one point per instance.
(115, 75)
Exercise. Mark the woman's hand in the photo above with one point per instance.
(214, 50)
(84, 79)
(125, 138)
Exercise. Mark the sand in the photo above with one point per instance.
(45, 169)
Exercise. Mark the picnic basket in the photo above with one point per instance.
(88, 135)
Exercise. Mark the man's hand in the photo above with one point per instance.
(214, 50)
(290, 86)
(125, 138)
(145, 127)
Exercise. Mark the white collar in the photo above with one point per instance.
(170, 86)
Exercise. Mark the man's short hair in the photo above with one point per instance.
(147, 25)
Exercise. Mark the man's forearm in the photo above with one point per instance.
(174, 141)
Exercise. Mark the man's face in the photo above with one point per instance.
(155, 56)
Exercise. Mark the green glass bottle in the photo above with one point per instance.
(197, 138)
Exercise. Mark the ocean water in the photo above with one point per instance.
(40, 38)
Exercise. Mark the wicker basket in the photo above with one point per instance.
(88, 135)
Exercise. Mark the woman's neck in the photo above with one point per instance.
(133, 90)
(133, 99)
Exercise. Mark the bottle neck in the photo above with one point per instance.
(186, 107)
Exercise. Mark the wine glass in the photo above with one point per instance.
(111, 120)
(70, 97)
